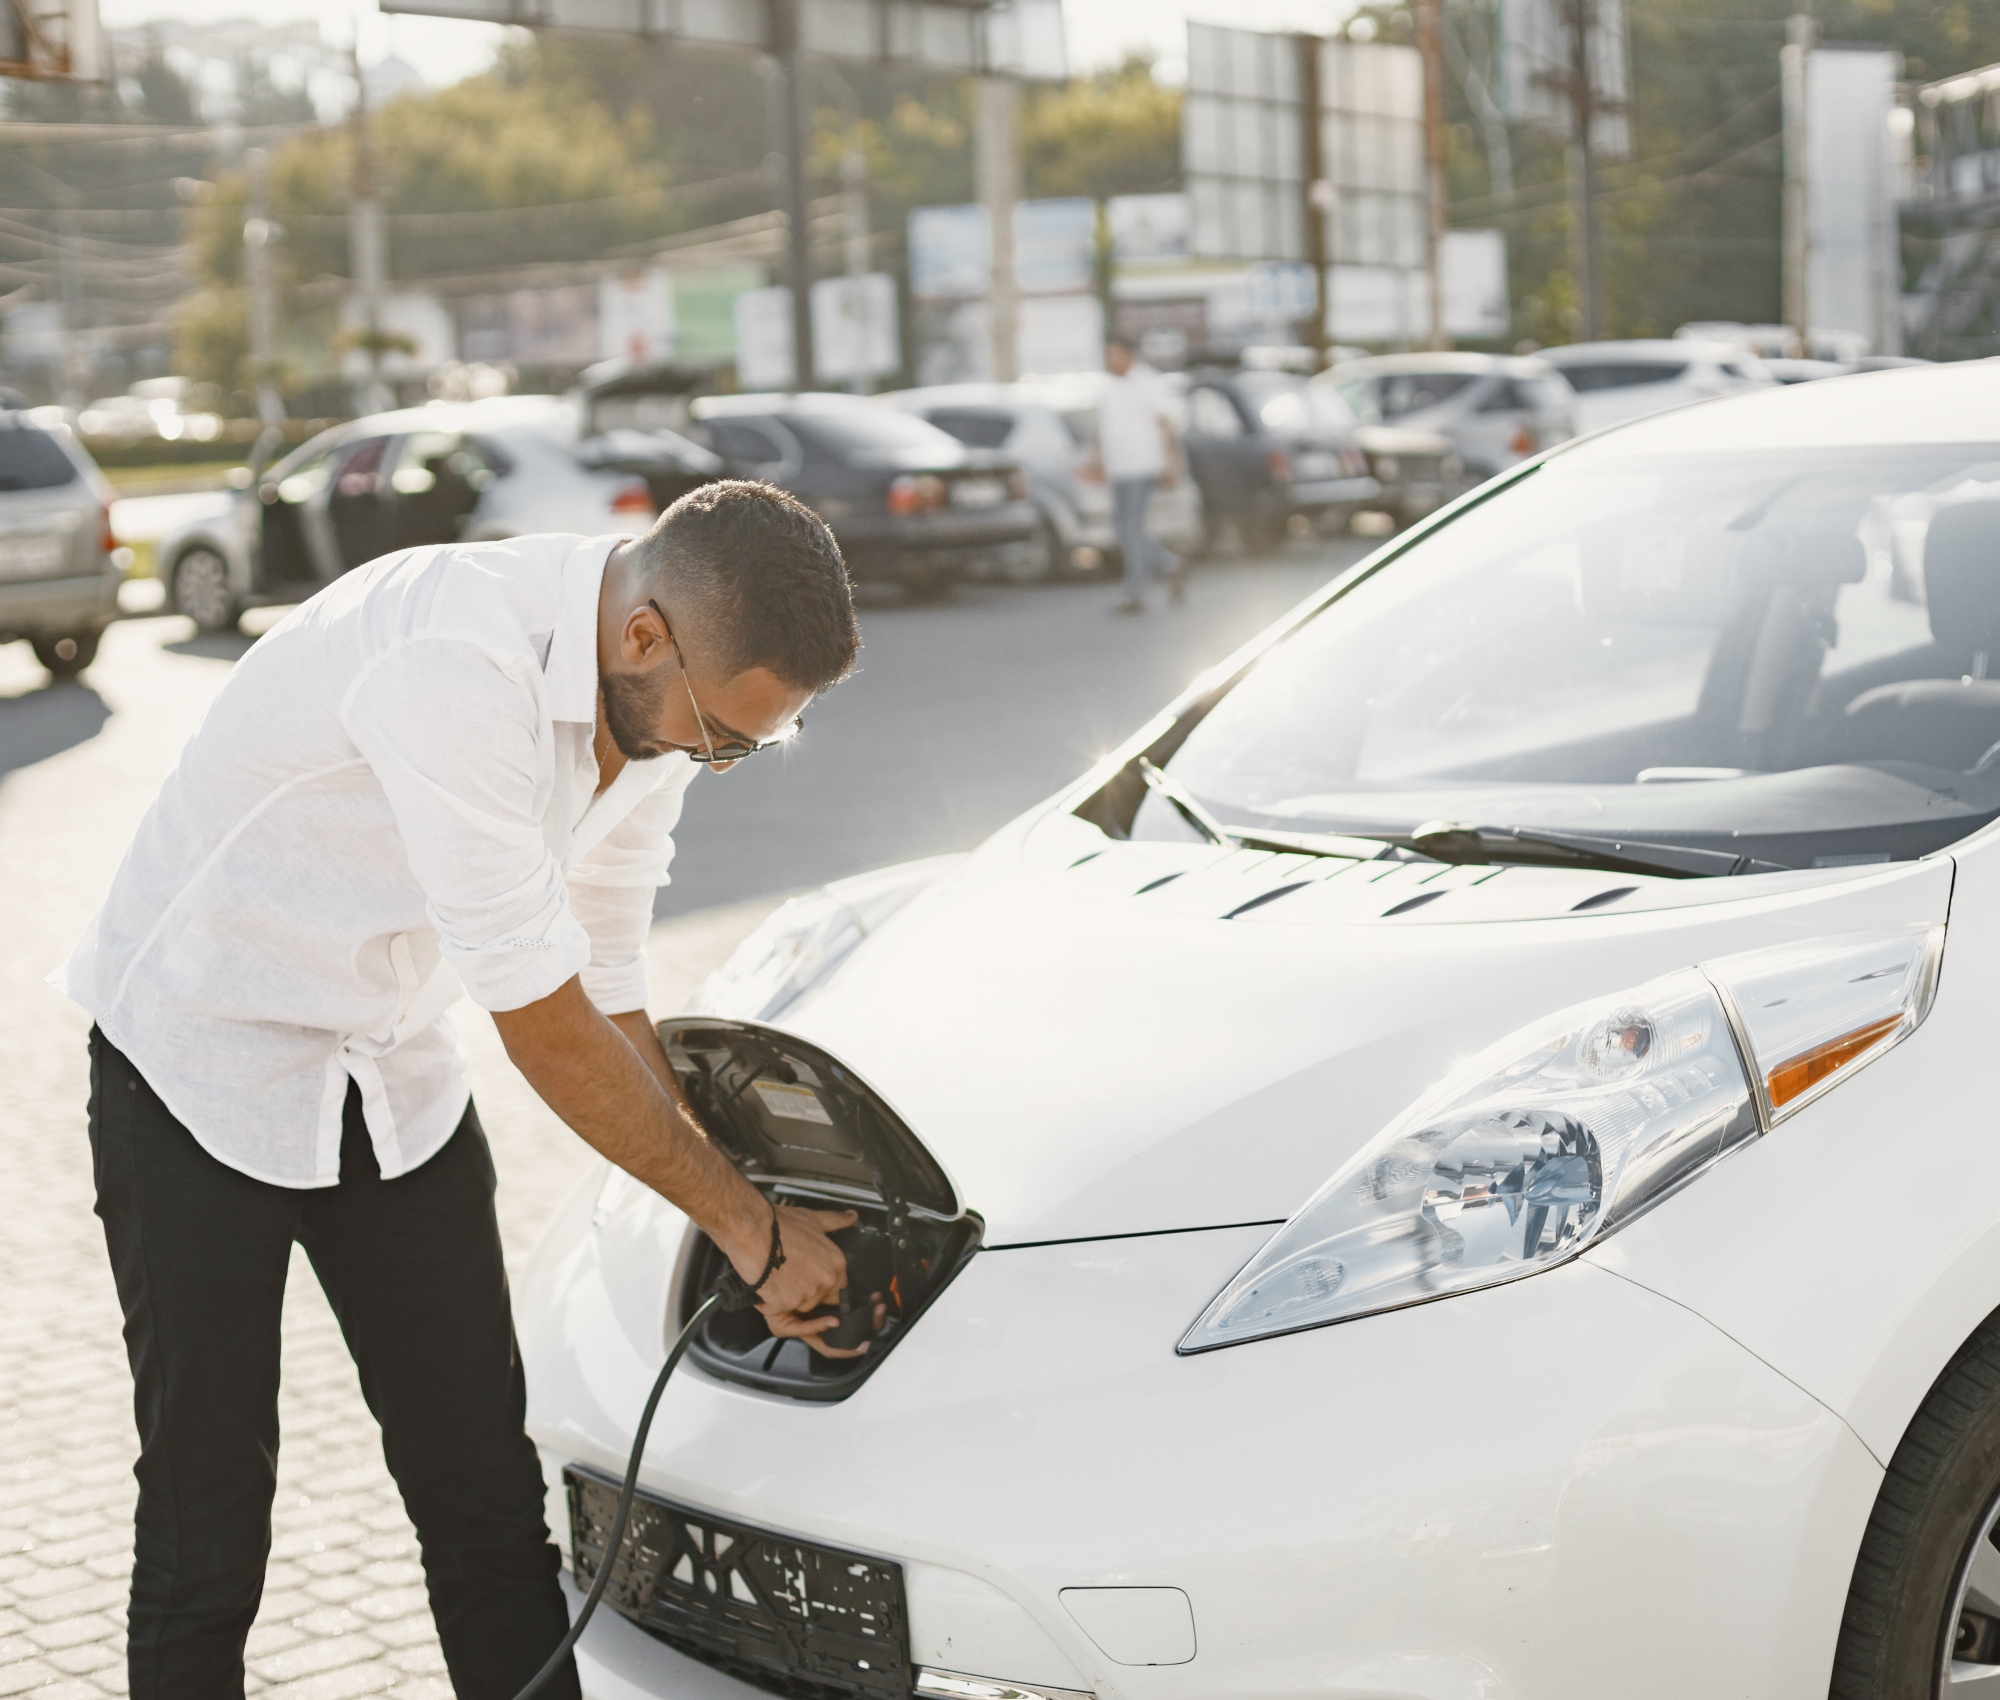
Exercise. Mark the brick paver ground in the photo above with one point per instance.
(343, 1611)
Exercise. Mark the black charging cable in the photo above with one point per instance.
(731, 1292)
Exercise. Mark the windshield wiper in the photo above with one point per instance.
(1352, 846)
(1454, 841)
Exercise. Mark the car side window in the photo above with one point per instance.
(431, 457)
(1622, 374)
(306, 480)
(1505, 397)
(360, 467)
(1213, 414)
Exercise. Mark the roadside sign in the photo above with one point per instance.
(1055, 245)
(1150, 229)
(1021, 38)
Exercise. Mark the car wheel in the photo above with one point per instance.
(66, 654)
(1923, 1610)
(202, 591)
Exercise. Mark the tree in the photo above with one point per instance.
(1116, 132)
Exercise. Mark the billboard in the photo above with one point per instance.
(1537, 59)
(1853, 270)
(1243, 140)
(1055, 245)
(1150, 229)
(1022, 38)
(951, 248)
(1243, 144)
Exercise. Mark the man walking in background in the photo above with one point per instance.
(1139, 449)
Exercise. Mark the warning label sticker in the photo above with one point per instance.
(794, 1103)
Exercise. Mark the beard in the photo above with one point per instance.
(632, 709)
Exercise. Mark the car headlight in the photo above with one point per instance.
(1576, 1124)
(803, 941)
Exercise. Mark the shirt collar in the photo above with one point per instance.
(572, 668)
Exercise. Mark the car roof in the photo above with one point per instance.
(780, 401)
(1681, 348)
(1397, 365)
(1003, 396)
(1905, 407)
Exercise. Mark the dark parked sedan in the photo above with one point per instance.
(1266, 447)
(908, 502)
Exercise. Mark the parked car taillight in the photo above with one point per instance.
(917, 493)
(107, 539)
(633, 501)
(1280, 464)
(1524, 442)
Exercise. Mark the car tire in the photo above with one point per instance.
(1926, 1585)
(66, 654)
(201, 590)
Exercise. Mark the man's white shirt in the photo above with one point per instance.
(1131, 413)
(392, 801)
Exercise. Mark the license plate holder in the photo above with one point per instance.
(33, 554)
(756, 1603)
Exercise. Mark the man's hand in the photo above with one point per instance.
(813, 1274)
(607, 1077)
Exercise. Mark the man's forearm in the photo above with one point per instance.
(598, 1078)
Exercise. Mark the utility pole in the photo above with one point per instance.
(1800, 34)
(998, 161)
(1319, 188)
(258, 233)
(367, 256)
(1431, 47)
(854, 225)
(1578, 16)
(791, 124)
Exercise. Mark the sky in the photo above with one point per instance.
(1101, 32)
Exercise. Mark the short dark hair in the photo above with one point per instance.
(760, 577)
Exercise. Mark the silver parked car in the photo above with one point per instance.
(1048, 427)
(1615, 381)
(58, 569)
(1496, 409)
(437, 474)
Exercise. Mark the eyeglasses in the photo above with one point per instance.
(711, 752)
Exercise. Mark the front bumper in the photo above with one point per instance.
(1537, 1491)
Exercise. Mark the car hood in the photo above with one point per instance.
(1100, 1038)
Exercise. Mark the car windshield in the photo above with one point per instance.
(1288, 403)
(865, 431)
(32, 460)
(1794, 655)
(1396, 395)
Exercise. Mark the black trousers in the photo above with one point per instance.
(412, 1268)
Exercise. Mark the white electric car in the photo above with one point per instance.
(1456, 1165)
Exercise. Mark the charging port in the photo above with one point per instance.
(806, 1131)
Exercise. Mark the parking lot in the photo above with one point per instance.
(962, 714)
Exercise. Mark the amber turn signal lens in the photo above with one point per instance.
(1803, 1073)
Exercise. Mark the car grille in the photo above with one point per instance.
(798, 1619)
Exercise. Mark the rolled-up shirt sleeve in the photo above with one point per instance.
(611, 891)
(453, 735)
